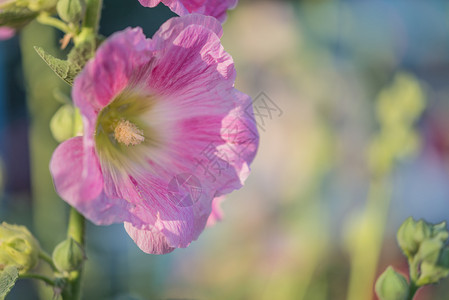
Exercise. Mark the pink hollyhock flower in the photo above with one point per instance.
(165, 132)
(6, 33)
(214, 8)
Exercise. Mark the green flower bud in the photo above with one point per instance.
(18, 247)
(412, 234)
(429, 251)
(66, 123)
(68, 256)
(423, 230)
(439, 232)
(433, 271)
(391, 286)
(70, 11)
(406, 237)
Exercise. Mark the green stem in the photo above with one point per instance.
(91, 22)
(412, 290)
(76, 229)
(365, 252)
(46, 19)
(37, 276)
(93, 14)
(413, 271)
(47, 258)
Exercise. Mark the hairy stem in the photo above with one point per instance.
(38, 277)
(412, 290)
(46, 19)
(47, 258)
(76, 229)
(91, 21)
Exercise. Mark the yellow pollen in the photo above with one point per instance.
(128, 134)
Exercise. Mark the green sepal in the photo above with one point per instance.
(62, 68)
(68, 69)
(80, 54)
(8, 278)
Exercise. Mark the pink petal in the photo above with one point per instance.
(180, 225)
(6, 33)
(78, 180)
(150, 241)
(217, 213)
(194, 59)
(174, 26)
(110, 72)
(214, 8)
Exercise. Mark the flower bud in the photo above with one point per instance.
(18, 247)
(440, 232)
(423, 230)
(429, 251)
(70, 11)
(434, 271)
(68, 256)
(391, 286)
(406, 237)
(66, 123)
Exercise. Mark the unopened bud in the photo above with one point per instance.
(66, 123)
(68, 256)
(391, 286)
(18, 247)
(406, 237)
(434, 271)
(70, 11)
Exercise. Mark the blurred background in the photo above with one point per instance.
(352, 99)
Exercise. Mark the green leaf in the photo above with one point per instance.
(8, 278)
(62, 68)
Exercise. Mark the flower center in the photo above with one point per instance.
(128, 133)
(124, 133)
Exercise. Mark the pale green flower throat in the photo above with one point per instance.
(121, 130)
